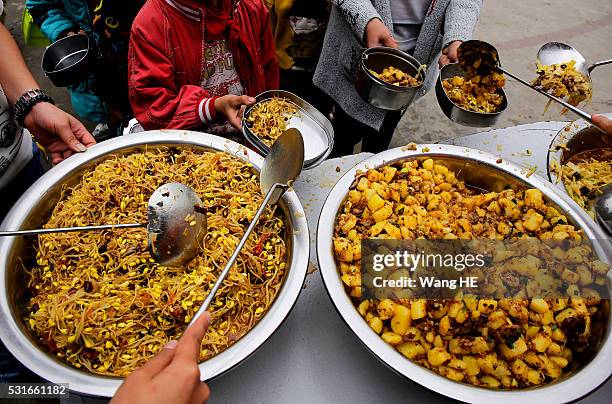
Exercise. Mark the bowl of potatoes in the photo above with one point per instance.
(516, 348)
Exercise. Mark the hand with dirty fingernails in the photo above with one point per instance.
(172, 376)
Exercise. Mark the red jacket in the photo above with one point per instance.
(166, 60)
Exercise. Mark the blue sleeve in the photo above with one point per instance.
(51, 17)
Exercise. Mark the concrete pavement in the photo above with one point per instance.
(517, 28)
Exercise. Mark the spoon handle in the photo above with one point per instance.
(601, 63)
(70, 229)
(572, 108)
(232, 260)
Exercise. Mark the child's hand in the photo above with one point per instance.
(449, 53)
(232, 106)
(378, 34)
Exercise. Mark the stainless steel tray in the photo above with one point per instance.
(316, 129)
(486, 171)
(39, 200)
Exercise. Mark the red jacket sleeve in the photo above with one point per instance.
(156, 101)
(268, 52)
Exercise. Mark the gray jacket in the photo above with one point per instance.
(446, 21)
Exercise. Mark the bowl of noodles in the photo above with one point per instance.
(579, 162)
(89, 308)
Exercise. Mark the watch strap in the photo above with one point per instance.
(26, 102)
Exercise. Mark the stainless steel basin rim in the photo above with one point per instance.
(18, 340)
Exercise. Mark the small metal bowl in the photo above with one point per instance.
(379, 93)
(461, 115)
(577, 140)
(68, 61)
(317, 131)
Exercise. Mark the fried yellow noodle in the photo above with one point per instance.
(100, 303)
(563, 81)
(585, 179)
(268, 119)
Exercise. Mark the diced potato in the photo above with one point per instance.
(471, 365)
(363, 184)
(375, 202)
(377, 228)
(559, 361)
(496, 319)
(418, 309)
(486, 306)
(533, 198)
(391, 338)
(541, 342)
(411, 350)
(363, 307)
(490, 382)
(343, 249)
(539, 306)
(428, 164)
(444, 325)
(386, 309)
(383, 213)
(532, 220)
(518, 348)
(376, 324)
(437, 356)
(401, 319)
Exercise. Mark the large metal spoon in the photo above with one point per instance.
(603, 208)
(470, 50)
(554, 53)
(281, 167)
(174, 227)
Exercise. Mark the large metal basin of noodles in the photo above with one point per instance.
(36, 205)
(484, 171)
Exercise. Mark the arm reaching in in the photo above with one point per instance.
(172, 376)
(61, 133)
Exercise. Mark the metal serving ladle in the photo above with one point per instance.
(490, 61)
(174, 226)
(554, 53)
(603, 209)
(281, 167)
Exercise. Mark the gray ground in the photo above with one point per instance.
(517, 28)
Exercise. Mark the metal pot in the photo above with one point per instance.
(36, 204)
(482, 170)
(379, 93)
(69, 60)
(317, 131)
(577, 137)
(461, 115)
